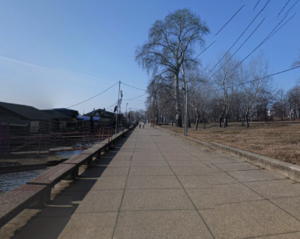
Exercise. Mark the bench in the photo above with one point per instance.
(15, 201)
(78, 159)
(54, 175)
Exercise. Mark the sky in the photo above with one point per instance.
(55, 54)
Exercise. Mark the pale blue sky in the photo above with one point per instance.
(57, 53)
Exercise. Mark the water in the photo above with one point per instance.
(11, 181)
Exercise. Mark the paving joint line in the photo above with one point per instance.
(262, 195)
(189, 196)
(117, 219)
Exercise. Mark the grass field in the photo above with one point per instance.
(276, 139)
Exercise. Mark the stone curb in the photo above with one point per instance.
(286, 169)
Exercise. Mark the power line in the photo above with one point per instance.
(260, 44)
(256, 4)
(204, 50)
(93, 96)
(239, 37)
(133, 87)
(291, 7)
(229, 20)
(283, 25)
(239, 47)
(110, 105)
(280, 72)
(283, 8)
(136, 97)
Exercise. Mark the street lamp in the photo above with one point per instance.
(186, 110)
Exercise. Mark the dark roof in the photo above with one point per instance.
(68, 112)
(26, 111)
(56, 115)
(100, 113)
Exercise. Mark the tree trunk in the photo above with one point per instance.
(220, 122)
(247, 121)
(177, 104)
(197, 121)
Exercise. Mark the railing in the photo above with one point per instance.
(105, 133)
(65, 141)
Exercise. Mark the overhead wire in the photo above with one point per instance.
(283, 7)
(291, 7)
(205, 50)
(229, 20)
(283, 25)
(238, 48)
(93, 96)
(136, 97)
(272, 33)
(256, 4)
(277, 73)
(133, 87)
(239, 37)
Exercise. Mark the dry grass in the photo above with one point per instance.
(277, 140)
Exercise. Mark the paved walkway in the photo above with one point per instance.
(154, 185)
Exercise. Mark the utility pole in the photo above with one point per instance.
(118, 107)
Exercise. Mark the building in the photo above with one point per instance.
(24, 120)
(59, 120)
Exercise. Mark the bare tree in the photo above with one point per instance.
(280, 105)
(225, 79)
(297, 62)
(253, 82)
(170, 44)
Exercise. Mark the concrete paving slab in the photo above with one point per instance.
(255, 175)
(161, 224)
(230, 167)
(116, 164)
(221, 194)
(150, 163)
(187, 163)
(110, 183)
(99, 171)
(275, 189)
(179, 157)
(150, 171)
(195, 171)
(101, 201)
(248, 219)
(57, 211)
(147, 156)
(156, 199)
(290, 205)
(45, 228)
(148, 182)
(90, 226)
(81, 185)
(69, 198)
(206, 180)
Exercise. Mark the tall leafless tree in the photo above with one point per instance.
(171, 44)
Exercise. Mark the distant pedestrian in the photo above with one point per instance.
(140, 125)
(144, 124)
